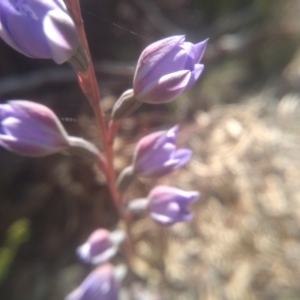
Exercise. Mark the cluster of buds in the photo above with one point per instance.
(165, 69)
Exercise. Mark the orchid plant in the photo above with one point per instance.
(53, 29)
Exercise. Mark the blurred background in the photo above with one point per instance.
(242, 120)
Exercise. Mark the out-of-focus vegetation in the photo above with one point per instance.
(17, 234)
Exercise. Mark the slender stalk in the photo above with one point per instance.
(89, 86)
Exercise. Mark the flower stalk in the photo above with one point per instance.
(88, 83)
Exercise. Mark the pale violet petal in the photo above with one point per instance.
(173, 61)
(5, 36)
(153, 54)
(195, 74)
(30, 149)
(182, 156)
(166, 88)
(199, 50)
(190, 56)
(162, 219)
(61, 35)
(186, 216)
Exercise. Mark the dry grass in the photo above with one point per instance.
(244, 242)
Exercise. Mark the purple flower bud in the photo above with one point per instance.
(31, 129)
(100, 246)
(156, 154)
(101, 284)
(168, 205)
(166, 69)
(39, 29)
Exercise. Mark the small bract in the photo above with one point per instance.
(39, 29)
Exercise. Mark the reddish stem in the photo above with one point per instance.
(89, 86)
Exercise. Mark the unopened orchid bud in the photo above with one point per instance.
(166, 69)
(100, 246)
(156, 154)
(168, 205)
(39, 29)
(31, 129)
(102, 284)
